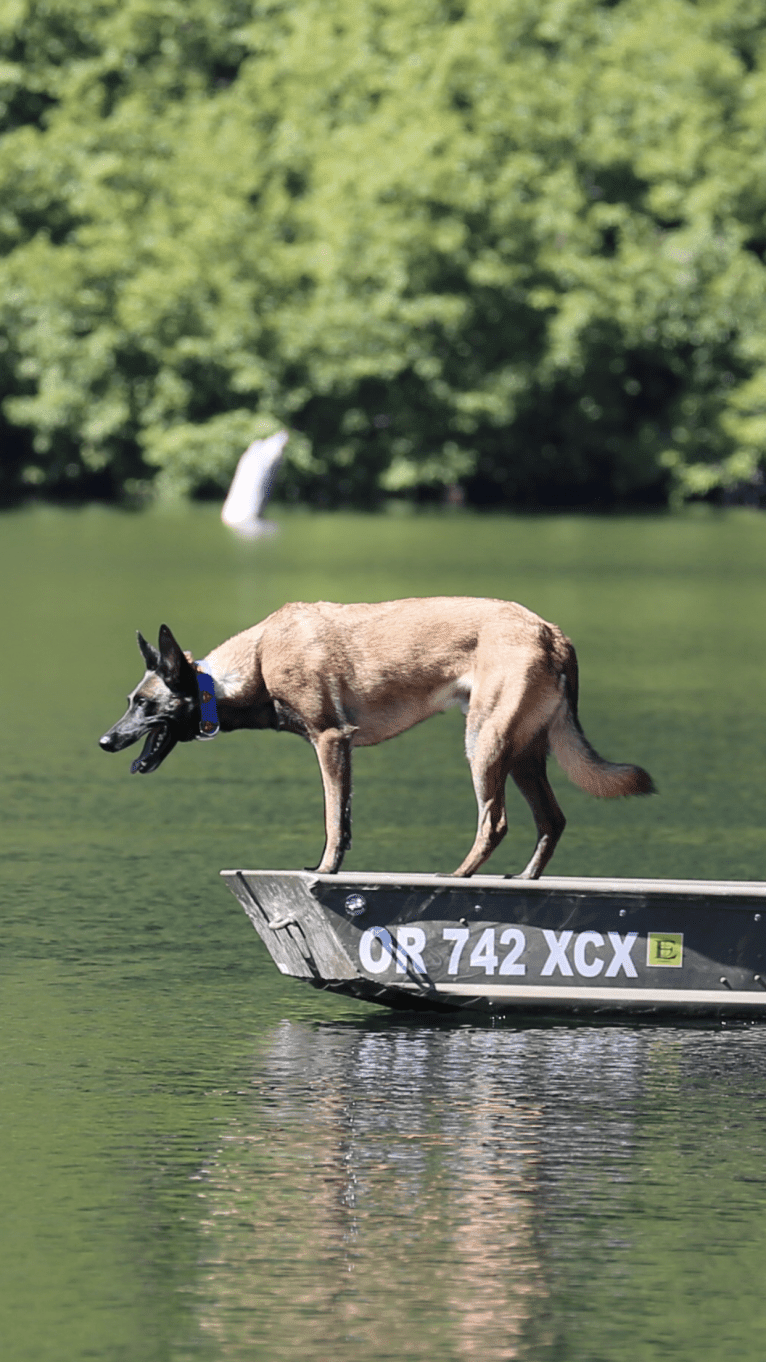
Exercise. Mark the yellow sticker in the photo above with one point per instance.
(665, 948)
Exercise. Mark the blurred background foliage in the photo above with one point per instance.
(511, 246)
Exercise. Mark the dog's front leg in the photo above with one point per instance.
(333, 749)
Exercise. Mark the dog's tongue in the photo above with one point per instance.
(153, 741)
(161, 740)
(138, 764)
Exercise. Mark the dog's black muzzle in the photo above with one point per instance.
(118, 738)
(161, 737)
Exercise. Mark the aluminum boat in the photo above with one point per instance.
(554, 945)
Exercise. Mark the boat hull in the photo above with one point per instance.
(556, 945)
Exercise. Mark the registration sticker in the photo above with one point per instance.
(665, 948)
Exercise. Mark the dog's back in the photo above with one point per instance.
(385, 666)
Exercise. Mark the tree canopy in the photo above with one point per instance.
(516, 245)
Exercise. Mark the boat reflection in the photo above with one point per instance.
(391, 1189)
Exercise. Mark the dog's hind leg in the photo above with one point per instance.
(529, 773)
(333, 749)
(489, 762)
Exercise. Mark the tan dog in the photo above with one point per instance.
(345, 676)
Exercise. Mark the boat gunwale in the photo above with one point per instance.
(595, 885)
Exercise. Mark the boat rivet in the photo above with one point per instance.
(355, 904)
(723, 980)
(622, 912)
(463, 921)
(757, 917)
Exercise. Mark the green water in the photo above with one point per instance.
(199, 1159)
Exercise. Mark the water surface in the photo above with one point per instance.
(199, 1159)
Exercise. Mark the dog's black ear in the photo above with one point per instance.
(174, 668)
(149, 654)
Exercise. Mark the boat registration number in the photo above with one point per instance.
(513, 952)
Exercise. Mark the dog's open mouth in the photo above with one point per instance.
(160, 741)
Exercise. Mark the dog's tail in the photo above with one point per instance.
(580, 761)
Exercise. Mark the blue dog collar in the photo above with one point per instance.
(209, 725)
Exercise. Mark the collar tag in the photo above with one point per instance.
(208, 724)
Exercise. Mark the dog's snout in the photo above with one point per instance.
(106, 742)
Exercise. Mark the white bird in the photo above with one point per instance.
(251, 487)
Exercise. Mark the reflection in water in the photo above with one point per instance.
(391, 1194)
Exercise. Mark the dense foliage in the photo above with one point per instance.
(512, 244)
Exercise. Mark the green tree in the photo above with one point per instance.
(516, 244)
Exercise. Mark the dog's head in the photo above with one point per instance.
(164, 707)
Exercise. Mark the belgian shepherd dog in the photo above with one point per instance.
(345, 676)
